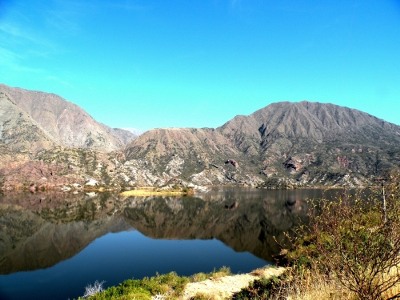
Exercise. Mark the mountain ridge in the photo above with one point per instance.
(65, 122)
(282, 140)
(18, 131)
(285, 144)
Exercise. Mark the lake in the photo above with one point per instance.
(53, 245)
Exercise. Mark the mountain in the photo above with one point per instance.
(199, 146)
(300, 143)
(315, 122)
(60, 121)
(18, 131)
(47, 142)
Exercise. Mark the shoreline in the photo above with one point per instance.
(152, 191)
(217, 285)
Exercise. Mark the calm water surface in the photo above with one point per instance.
(52, 246)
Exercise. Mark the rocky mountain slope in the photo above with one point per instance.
(285, 143)
(18, 131)
(60, 121)
(48, 142)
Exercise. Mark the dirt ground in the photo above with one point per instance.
(225, 287)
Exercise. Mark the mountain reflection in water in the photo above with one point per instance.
(245, 221)
(38, 231)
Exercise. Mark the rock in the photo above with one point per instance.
(91, 194)
(33, 188)
(232, 162)
(66, 188)
(92, 182)
(77, 185)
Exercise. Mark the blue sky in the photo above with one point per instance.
(198, 63)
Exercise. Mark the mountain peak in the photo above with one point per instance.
(306, 140)
(303, 119)
(294, 143)
(64, 122)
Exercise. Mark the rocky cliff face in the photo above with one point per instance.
(63, 122)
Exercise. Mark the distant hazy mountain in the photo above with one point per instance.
(63, 122)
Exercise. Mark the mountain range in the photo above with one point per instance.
(47, 141)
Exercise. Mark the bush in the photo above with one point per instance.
(262, 288)
(355, 241)
(145, 288)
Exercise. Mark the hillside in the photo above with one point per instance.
(302, 143)
(47, 142)
(315, 122)
(63, 122)
(18, 131)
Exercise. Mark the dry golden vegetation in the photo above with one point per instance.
(349, 250)
(151, 191)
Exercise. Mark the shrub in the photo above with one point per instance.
(169, 284)
(262, 288)
(221, 272)
(355, 241)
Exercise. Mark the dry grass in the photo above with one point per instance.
(315, 285)
(318, 286)
(258, 272)
(329, 290)
(222, 272)
(395, 290)
(203, 296)
(150, 191)
(223, 286)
